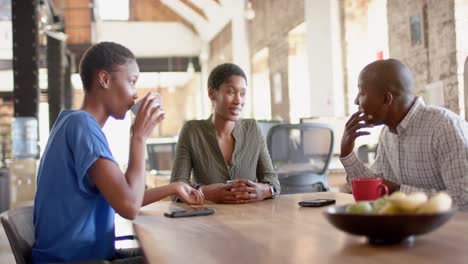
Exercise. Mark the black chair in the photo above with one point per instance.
(337, 123)
(301, 154)
(161, 156)
(19, 228)
(266, 125)
(363, 152)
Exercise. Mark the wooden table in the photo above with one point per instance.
(279, 231)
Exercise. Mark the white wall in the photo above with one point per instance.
(325, 57)
(203, 99)
(366, 35)
(461, 30)
(6, 40)
(298, 71)
(240, 47)
(260, 86)
(118, 136)
(6, 80)
(465, 82)
(150, 39)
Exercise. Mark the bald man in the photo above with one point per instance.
(421, 148)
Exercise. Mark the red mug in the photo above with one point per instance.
(368, 189)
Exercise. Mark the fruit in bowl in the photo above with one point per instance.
(359, 208)
(393, 219)
(438, 203)
(401, 203)
(408, 203)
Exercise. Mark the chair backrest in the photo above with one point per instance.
(161, 156)
(306, 148)
(336, 123)
(19, 228)
(266, 125)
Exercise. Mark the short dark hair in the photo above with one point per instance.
(102, 56)
(222, 73)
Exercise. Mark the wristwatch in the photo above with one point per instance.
(272, 189)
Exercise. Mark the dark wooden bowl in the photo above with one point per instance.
(386, 229)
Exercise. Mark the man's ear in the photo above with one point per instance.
(388, 98)
(103, 78)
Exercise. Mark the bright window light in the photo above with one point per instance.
(5, 9)
(114, 9)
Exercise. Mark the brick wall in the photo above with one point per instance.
(461, 29)
(179, 107)
(221, 48)
(278, 64)
(77, 15)
(465, 83)
(435, 58)
(270, 27)
(355, 32)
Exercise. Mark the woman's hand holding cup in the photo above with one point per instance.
(148, 114)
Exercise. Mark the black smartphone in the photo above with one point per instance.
(316, 202)
(190, 212)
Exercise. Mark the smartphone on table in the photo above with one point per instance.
(196, 211)
(316, 202)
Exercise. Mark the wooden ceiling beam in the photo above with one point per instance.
(195, 8)
(178, 18)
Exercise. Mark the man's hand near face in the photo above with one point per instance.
(357, 121)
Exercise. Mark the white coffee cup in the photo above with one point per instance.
(157, 101)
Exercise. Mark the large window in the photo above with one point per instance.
(261, 97)
(299, 88)
(5, 9)
(366, 41)
(113, 9)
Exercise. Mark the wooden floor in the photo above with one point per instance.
(336, 180)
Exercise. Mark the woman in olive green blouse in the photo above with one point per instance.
(225, 147)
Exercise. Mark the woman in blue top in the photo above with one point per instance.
(80, 186)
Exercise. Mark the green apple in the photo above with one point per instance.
(379, 204)
(359, 208)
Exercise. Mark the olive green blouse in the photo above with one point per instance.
(198, 152)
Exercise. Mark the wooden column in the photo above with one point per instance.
(68, 87)
(56, 61)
